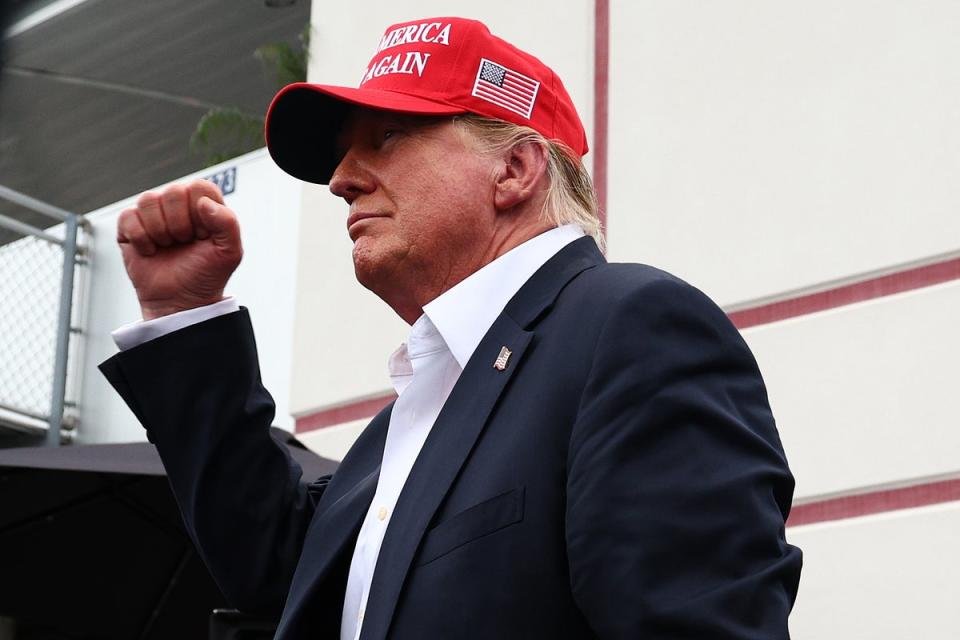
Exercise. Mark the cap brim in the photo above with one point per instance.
(303, 121)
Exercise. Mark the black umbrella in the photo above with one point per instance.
(92, 545)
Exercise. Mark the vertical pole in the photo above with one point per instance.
(601, 91)
(63, 332)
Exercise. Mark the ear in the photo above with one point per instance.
(521, 176)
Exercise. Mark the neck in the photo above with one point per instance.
(410, 308)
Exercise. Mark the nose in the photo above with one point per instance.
(351, 179)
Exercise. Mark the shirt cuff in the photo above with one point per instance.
(136, 333)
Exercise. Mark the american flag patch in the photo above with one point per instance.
(505, 88)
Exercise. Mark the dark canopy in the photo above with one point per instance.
(92, 546)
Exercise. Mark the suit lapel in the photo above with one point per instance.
(333, 531)
(460, 424)
(330, 535)
(450, 441)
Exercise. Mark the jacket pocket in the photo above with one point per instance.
(475, 522)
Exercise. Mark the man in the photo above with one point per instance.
(578, 450)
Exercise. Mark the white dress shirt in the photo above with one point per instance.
(423, 371)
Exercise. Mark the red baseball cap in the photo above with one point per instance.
(434, 66)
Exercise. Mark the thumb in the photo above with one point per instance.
(215, 217)
(221, 222)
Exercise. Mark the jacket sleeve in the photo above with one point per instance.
(678, 488)
(197, 392)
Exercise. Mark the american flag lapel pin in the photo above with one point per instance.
(501, 362)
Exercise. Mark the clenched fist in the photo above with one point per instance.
(180, 247)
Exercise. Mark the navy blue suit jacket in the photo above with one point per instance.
(621, 478)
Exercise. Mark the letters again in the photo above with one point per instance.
(409, 62)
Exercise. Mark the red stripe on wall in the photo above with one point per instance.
(890, 284)
(906, 280)
(601, 84)
(345, 413)
(864, 504)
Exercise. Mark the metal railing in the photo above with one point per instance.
(37, 275)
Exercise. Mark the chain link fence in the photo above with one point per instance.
(30, 274)
(37, 275)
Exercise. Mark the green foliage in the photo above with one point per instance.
(287, 63)
(227, 132)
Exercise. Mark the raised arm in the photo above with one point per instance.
(198, 393)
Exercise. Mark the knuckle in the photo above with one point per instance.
(126, 217)
(201, 187)
(174, 196)
(146, 199)
(128, 223)
(178, 220)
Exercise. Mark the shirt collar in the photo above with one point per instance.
(423, 342)
(464, 313)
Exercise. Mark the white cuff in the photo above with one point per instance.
(136, 333)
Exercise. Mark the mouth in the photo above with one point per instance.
(357, 217)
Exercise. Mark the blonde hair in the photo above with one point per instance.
(571, 198)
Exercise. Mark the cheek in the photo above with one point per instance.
(446, 206)
(422, 206)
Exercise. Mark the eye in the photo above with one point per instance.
(389, 133)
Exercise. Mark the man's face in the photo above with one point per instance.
(421, 205)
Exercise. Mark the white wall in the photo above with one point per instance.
(890, 576)
(756, 149)
(759, 147)
(865, 394)
(334, 442)
(267, 202)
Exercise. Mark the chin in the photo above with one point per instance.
(385, 275)
(368, 266)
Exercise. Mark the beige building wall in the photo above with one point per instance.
(761, 147)
(799, 163)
